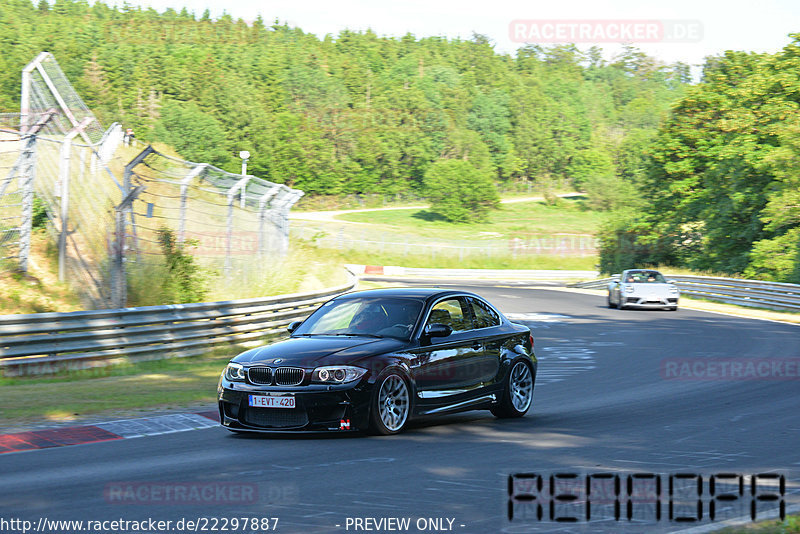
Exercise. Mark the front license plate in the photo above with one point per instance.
(272, 401)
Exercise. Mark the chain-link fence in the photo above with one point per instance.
(46, 87)
(109, 205)
(10, 192)
(232, 224)
(77, 191)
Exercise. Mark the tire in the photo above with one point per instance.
(517, 396)
(390, 407)
(610, 304)
(673, 308)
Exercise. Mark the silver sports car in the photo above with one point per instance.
(642, 288)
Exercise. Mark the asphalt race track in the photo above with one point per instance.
(612, 396)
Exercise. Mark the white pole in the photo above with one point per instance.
(64, 168)
(245, 155)
(194, 173)
(66, 150)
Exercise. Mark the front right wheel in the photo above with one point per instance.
(517, 396)
(391, 404)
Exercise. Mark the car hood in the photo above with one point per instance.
(313, 351)
(652, 289)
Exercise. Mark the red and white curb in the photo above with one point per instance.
(110, 431)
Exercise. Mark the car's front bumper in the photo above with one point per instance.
(650, 301)
(317, 409)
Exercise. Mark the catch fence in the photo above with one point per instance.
(106, 202)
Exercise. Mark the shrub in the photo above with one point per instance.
(460, 192)
(184, 281)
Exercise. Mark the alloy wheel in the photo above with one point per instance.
(521, 387)
(393, 403)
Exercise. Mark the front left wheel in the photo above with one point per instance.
(391, 404)
(518, 393)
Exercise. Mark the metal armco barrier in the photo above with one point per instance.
(42, 343)
(754, 293)
(469, 274)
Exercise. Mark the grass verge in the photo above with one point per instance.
(118, 390)
(467, 261)
(38, 290)
(303, 269)
(791, 525)
(510, 220)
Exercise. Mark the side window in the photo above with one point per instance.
(484, 315)
(451, 313)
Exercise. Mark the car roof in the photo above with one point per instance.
(419, 293)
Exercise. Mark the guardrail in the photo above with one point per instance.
(42, 343)
(469, 274)
(753, 293)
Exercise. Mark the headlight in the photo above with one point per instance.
(235, 372)
(337, 374)
(629, 289)
(673, 289)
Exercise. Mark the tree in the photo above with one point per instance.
(459, 191)
(195, 134)
(352, 113)
(721, 183)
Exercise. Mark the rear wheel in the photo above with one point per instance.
(518, 393)
(391, 404)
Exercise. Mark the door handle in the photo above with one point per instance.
(477, 345)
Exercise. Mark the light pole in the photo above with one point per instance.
(244, 154)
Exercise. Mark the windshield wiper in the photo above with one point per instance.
(358, 335)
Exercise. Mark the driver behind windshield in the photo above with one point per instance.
(391, 319)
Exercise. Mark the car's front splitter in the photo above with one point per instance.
(330, 411)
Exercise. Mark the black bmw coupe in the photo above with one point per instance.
(372, 360)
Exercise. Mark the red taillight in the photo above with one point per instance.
(531, 337)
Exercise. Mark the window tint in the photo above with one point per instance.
(644, 277)
(484, 315)
(364, 316)
(451, 313)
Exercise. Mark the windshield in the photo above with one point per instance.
(371, 317)
(645, 277)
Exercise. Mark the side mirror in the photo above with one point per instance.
(293, 326)
(438, 330)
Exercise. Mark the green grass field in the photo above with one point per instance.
(452, 260)
(520, 235)
(510, 220)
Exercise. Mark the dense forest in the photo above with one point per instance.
(699, 175)
(353, 113)
(722, 187)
